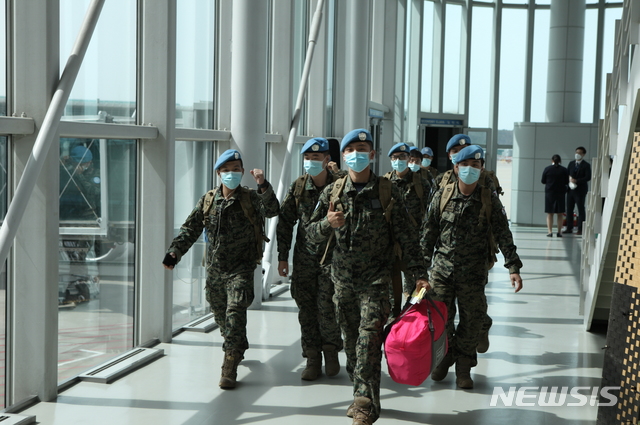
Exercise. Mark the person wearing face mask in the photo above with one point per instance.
(456, 241)
(416, 194)
(579, 177)
(311, 285)
(363, 215)
(426, 162)
(232, 217)
(555, 178)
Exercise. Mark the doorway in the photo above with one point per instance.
(437, 138)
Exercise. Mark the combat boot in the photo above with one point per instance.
(483, 343)
(331, 363)
(314, 366)
(229, 374)
(362, 414)
(440, 372)
(463, 373)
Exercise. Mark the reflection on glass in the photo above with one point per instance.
(96, 256)
(193, 179)
(539, 66)
(195, 44)
(480, 74)
(512, 71)
(105, 89)
(3, 271)
(451, 77)
(426, 102)
(589, 65)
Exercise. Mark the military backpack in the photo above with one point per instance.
(448, 188)
(417, 183)
(386, 200)
(249, 212)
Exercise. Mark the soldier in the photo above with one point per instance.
(364, 214)
(311, 285)
(460, 228)
(427, 158)
(415, 165)
(416, 194)
(233, 218)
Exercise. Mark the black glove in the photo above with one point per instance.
(169, 260)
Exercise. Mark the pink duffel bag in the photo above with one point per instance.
(417, 341)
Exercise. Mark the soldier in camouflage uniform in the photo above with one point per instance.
(311, 285)
(456, 234)
(427, 159)
(364, 217)
(455, 145)
(416, 192)
(233, 251)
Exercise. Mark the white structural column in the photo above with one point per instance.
(566, 44)
(357, 65)
(32, 343)
(414, 80)
(157, 105)
(249, 37)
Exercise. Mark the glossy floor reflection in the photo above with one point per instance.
(537, 340)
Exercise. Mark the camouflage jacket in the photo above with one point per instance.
(364, 254)
(457, 239)
(429, 171)
(415, 206)
(290, 213)
(230, 235)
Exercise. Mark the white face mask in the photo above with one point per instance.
(578, 157)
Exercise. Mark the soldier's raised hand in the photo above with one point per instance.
(336, 218)
(258, 175)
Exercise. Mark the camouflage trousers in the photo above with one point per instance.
(229, 295)
(468, 293)
(312, 290)
(362, 315)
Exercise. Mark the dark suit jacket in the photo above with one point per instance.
(582, 175)
(556, 179)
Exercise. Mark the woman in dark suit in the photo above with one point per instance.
(556, 178)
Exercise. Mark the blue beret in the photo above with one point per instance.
(427, 151)
(399, 148)
(458, 139)
(470, 152)
(317, 144)
(357, 135)
(81, 154)
(228, 155)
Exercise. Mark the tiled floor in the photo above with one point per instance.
(537, 340)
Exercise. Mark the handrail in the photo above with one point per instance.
(47, 131)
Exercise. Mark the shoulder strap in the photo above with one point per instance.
(255, 219)
(446, 195)
(384, 192)
(208, 201)
(334, 197)
(446, 178)
(301, 183)
(417, 183)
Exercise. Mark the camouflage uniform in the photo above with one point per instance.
(457, 239)
(361, 272)
(416, 207)
(231, 257)
(429, 171)
(311, 285)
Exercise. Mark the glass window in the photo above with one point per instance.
(480, 73)
(452, 47)
(608, 47)
(540, 66)
(96, 257)
(512, 71)
(300, 39)
(194, 64)
(427, 57)
(3, 61)
(3, 271)
(330, 71)
(589, 65)
(105, 89)
(194, 177)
